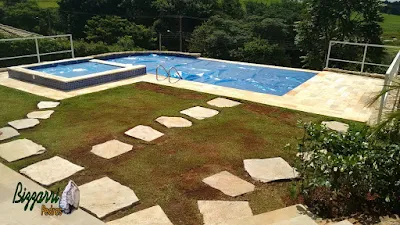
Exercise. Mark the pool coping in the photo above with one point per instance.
(25, 69)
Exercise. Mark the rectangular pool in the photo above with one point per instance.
(71, 74)
(77, 69)
(263, 79)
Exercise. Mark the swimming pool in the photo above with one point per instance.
(261, 79)
(74, 69)
(71, 74)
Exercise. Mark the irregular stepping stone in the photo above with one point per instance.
(20, 149)
(174, 121)
(24, 123)
(7, 132)
(104, 196)
(267, 170)
(150, 216)
(229, 184)
(344, 222)
(215, 212)
(337, 126)
(199, 112)
(49, 171)
(299, 220)
(47, 104)
(40, 114)
(111, 149)
(306, 156)
(223, 102)
(144, 133)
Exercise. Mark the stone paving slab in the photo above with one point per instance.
(150, 216)
(223, 102)
(7, 132)
(306, 156)
(47, 104)
(40, 114)
(199, 112)
(111, 149)
(105, 196)
(336, 126)
(19, 149)
(14, 214)
(144, 133)
(171, 122)
(24, 123)
(229, 184)
(215, 212)
(344, 222)
(49, 171)
(299, 220)
(271, 169)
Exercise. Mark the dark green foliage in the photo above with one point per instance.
(325, 20)
(28, 16)
(263, 35)
(109, 29)
(357, 173)
(232, 8)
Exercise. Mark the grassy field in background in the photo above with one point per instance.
(169, 170)
(41, 3)
(391, 28)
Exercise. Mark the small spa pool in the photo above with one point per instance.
(71, 74)
(77, 69)
(263, 79)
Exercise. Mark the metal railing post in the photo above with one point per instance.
(364, 57)
(72, 46)
(329, 55)
(37, 50)
(159, 41)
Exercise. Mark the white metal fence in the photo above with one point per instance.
(391, 74)
(363, 62)
(38, 54)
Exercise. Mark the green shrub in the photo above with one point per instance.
(354, 172)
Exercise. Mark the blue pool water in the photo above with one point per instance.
(70, 70)
(252, 78)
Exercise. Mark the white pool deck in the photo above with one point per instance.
(328, 93)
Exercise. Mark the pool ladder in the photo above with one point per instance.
(168, 74)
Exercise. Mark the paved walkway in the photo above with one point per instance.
(331, 94)
(14, 214)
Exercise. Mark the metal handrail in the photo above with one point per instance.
(164, 70)
(169, 75)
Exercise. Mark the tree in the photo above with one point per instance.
(29, 16)
(109, 29)
(232, 8)
(261, 51)
(345, 20)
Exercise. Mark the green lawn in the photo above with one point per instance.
(41, 3)
(391, 28)
(169, 170)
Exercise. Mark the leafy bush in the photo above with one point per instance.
(348, 172)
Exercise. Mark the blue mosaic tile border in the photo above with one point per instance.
(69, 86)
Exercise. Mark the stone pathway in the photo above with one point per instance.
(229, 184)
(144, 133)
(267, 170)
(215, 212)
(223, 102)
(150, 216)
(47, 104)
(111, 149)
(51, 170)
(336, 126)
(40, 114)
(20, 149)
(306, 156)
(7, 132)
(23, 123)
(199, 112)
(105, 196)
(172, 122)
